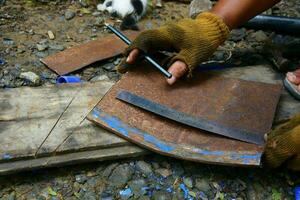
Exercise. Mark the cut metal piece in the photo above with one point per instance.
(80, 56)
(203, 124)
(236, 103)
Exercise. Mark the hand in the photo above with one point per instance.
(283, 145)
(193, 40)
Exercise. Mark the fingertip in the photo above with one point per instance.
(132, 56)
(177, 69)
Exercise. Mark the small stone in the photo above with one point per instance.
(144, 167)
(136, 186)
(41, 47)
(120, 176)
(108, 170)
(99, 21)
(8, 41)
(109, 66)
(51, 35)
(258, 36)
(102, 77)
(163, 172)
(56, 47)
(81, 178)
(237, 35)
(32, 77)
(188, 181)
(160, 195)
(69, 14)
(199, 6)
(96, 13)
(202, 185)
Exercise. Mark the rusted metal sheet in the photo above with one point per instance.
(240, 104)
(80, 56)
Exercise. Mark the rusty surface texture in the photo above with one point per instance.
(240, 104)
(80, 56)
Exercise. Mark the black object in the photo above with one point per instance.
(183, 118)
(148, 58)
(287, 25)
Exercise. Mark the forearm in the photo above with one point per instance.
(237, 12)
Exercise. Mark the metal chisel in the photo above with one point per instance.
(199, 123)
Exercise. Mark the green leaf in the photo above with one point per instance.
(51, 192)
(276, 195)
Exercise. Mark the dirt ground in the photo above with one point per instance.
(24, 39)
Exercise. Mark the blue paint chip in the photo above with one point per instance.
(158, 143)
(124, 129)
(126, 192)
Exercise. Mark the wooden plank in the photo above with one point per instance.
(28, 115)
(71, 159)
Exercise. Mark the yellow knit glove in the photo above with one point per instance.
(283, 145)
(195, 40)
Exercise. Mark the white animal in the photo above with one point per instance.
(131, 11)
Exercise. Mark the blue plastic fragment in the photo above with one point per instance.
(68, 79)
(2, 61)
(126, 192)
(185, 190)
(297, 192)
(6, 156)
(169, 189)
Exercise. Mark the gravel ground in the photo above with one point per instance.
(32, 30)
(150, 177)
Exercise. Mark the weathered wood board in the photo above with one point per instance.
(38, 123)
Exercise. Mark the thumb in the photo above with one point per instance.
(177, 69)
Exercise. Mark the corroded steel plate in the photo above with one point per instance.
(77, 57)
(237, 103)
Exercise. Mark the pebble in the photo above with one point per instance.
(51, 35)
(136, 186)
(202, 185)
(8, 41)
(69, 14)
(81, 178)
(164, 172)
(42, 47)
(102, 77)
(56, 47)
(188, 181)
(32, 77)
(120, 176)
(159, 195)
(96, 13)
(258, 36)
(199, 6)
(144, 167)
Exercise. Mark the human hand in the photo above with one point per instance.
(193, 40)
(283, 145)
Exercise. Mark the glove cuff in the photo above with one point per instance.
(219, 31)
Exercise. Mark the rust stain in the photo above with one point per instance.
(77, 57)
(236, 103)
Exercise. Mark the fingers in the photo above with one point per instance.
(177, 69)
(132, 57)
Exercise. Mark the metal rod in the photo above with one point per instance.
(148, 58)
(278, 24)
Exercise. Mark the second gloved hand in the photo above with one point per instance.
(194, 40)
